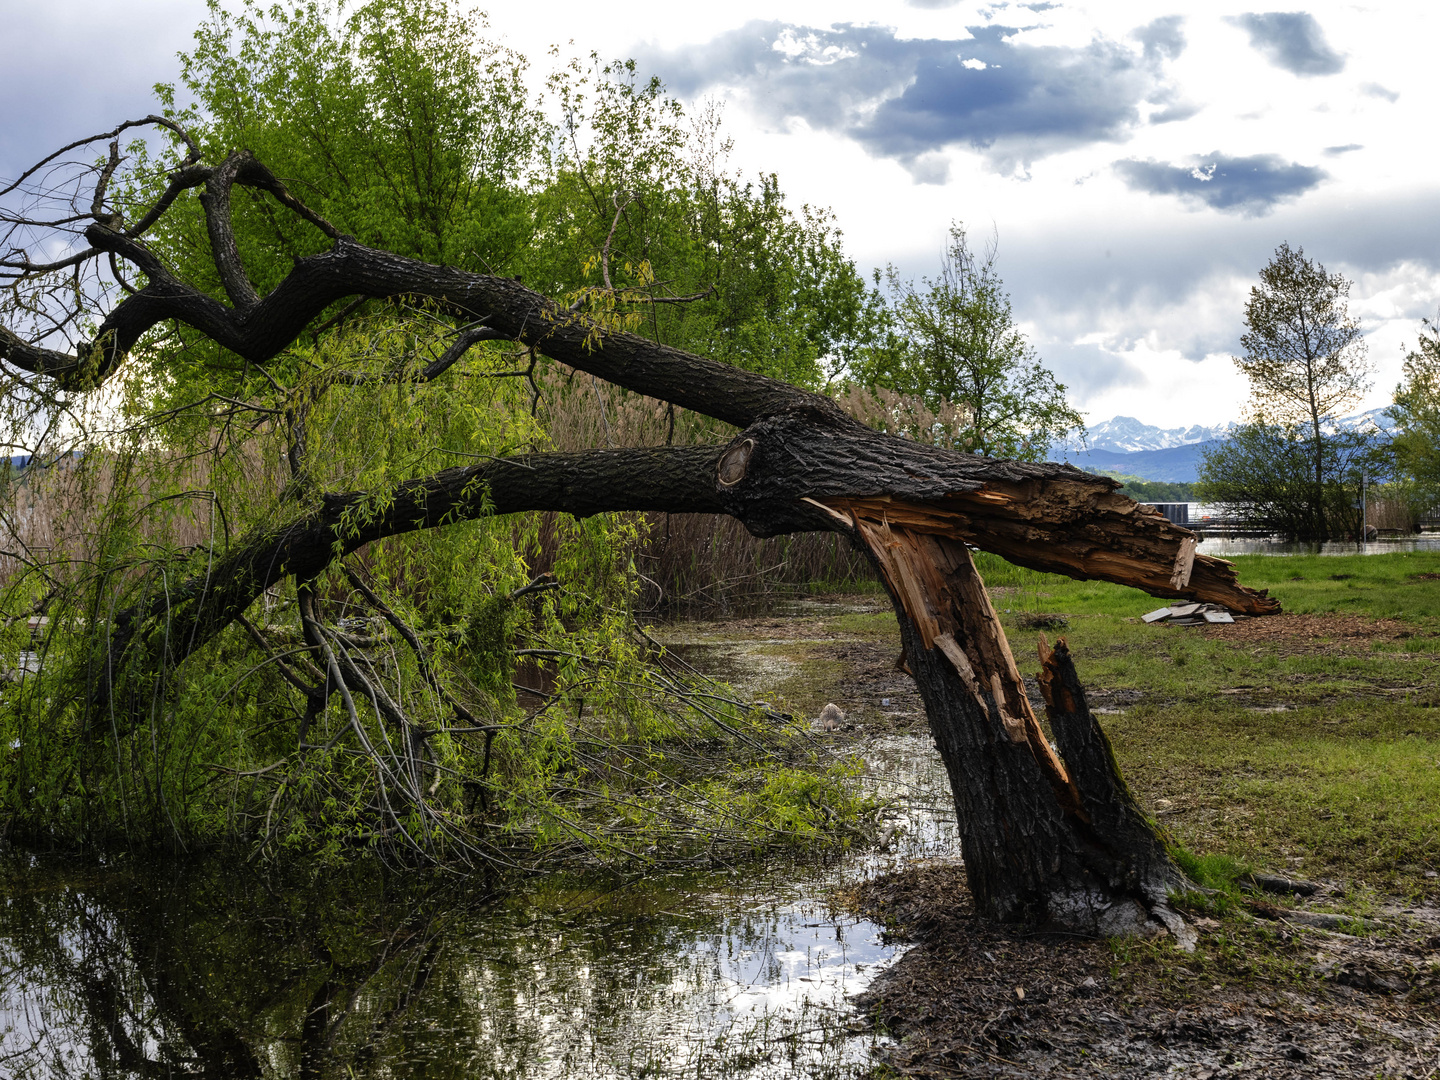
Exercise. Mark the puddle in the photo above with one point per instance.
(153, 968)
(158, 968)
(173, 969)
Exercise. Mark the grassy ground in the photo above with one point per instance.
(1309, 740)
(1306, 743)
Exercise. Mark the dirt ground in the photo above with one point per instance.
(1312, 633)
(1262, 996)
(1276, 988)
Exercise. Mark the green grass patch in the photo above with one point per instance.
(1317, 754)
(1388, 586)
(878, 624)
(1351, 792)
(1210, 871)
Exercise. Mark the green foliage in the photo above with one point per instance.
(399, 123)
(1417, 414)
(641, 204)
(624, 204)
(1306, 360)
(1267, 473)
(953, 342)
(404, 127)
(1154, 490)
(1305, 355)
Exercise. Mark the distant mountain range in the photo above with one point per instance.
(1124, 445)
(1126, 435)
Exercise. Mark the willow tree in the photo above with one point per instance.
(404, 124)
(1050, 834)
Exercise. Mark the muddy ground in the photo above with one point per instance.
(1280, 986)
(1264, 995)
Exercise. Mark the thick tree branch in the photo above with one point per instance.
(781, 475)
(258, 331)
(223, 247)
(679, 479)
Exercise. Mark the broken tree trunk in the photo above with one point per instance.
(1049, 836)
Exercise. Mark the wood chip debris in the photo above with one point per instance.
(1183, 613)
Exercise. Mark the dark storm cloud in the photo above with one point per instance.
(1162, 38)
(1291, 40)
(1248, 185)
(50, 101)
(903, 98)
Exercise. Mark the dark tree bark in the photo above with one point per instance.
(1049, 837)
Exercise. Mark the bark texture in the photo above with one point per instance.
(1051, 838)
(1050, 833)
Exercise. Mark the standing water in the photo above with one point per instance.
(140, 967)
(1226, 546)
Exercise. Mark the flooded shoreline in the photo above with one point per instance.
(141, 965)
(747, 971)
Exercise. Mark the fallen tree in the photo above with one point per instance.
(1050, 834)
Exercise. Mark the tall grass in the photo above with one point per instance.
(688, 562)
(693, 562)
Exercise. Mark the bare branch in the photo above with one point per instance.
(159, 121)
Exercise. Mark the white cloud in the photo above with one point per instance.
(1137, 296)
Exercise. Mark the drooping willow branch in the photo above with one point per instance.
(800, 464)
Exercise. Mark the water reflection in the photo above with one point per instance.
(207, 969)
(1224, 546)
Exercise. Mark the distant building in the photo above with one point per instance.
(1178, 513)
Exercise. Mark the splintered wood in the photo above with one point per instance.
(945, 599)
(1069, 528)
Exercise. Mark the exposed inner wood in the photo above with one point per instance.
(944, 596)
(734, 462)
(1070, 529)
(1184, 564)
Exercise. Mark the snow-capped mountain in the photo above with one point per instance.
(1124, 445)
(1378, 418)
(1125, 435)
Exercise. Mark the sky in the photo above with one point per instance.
(1136, 163)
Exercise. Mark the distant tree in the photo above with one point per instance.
(1306, 360)
(1265, 473)
(953, 342)
(1417, 414)
(1154, 490)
